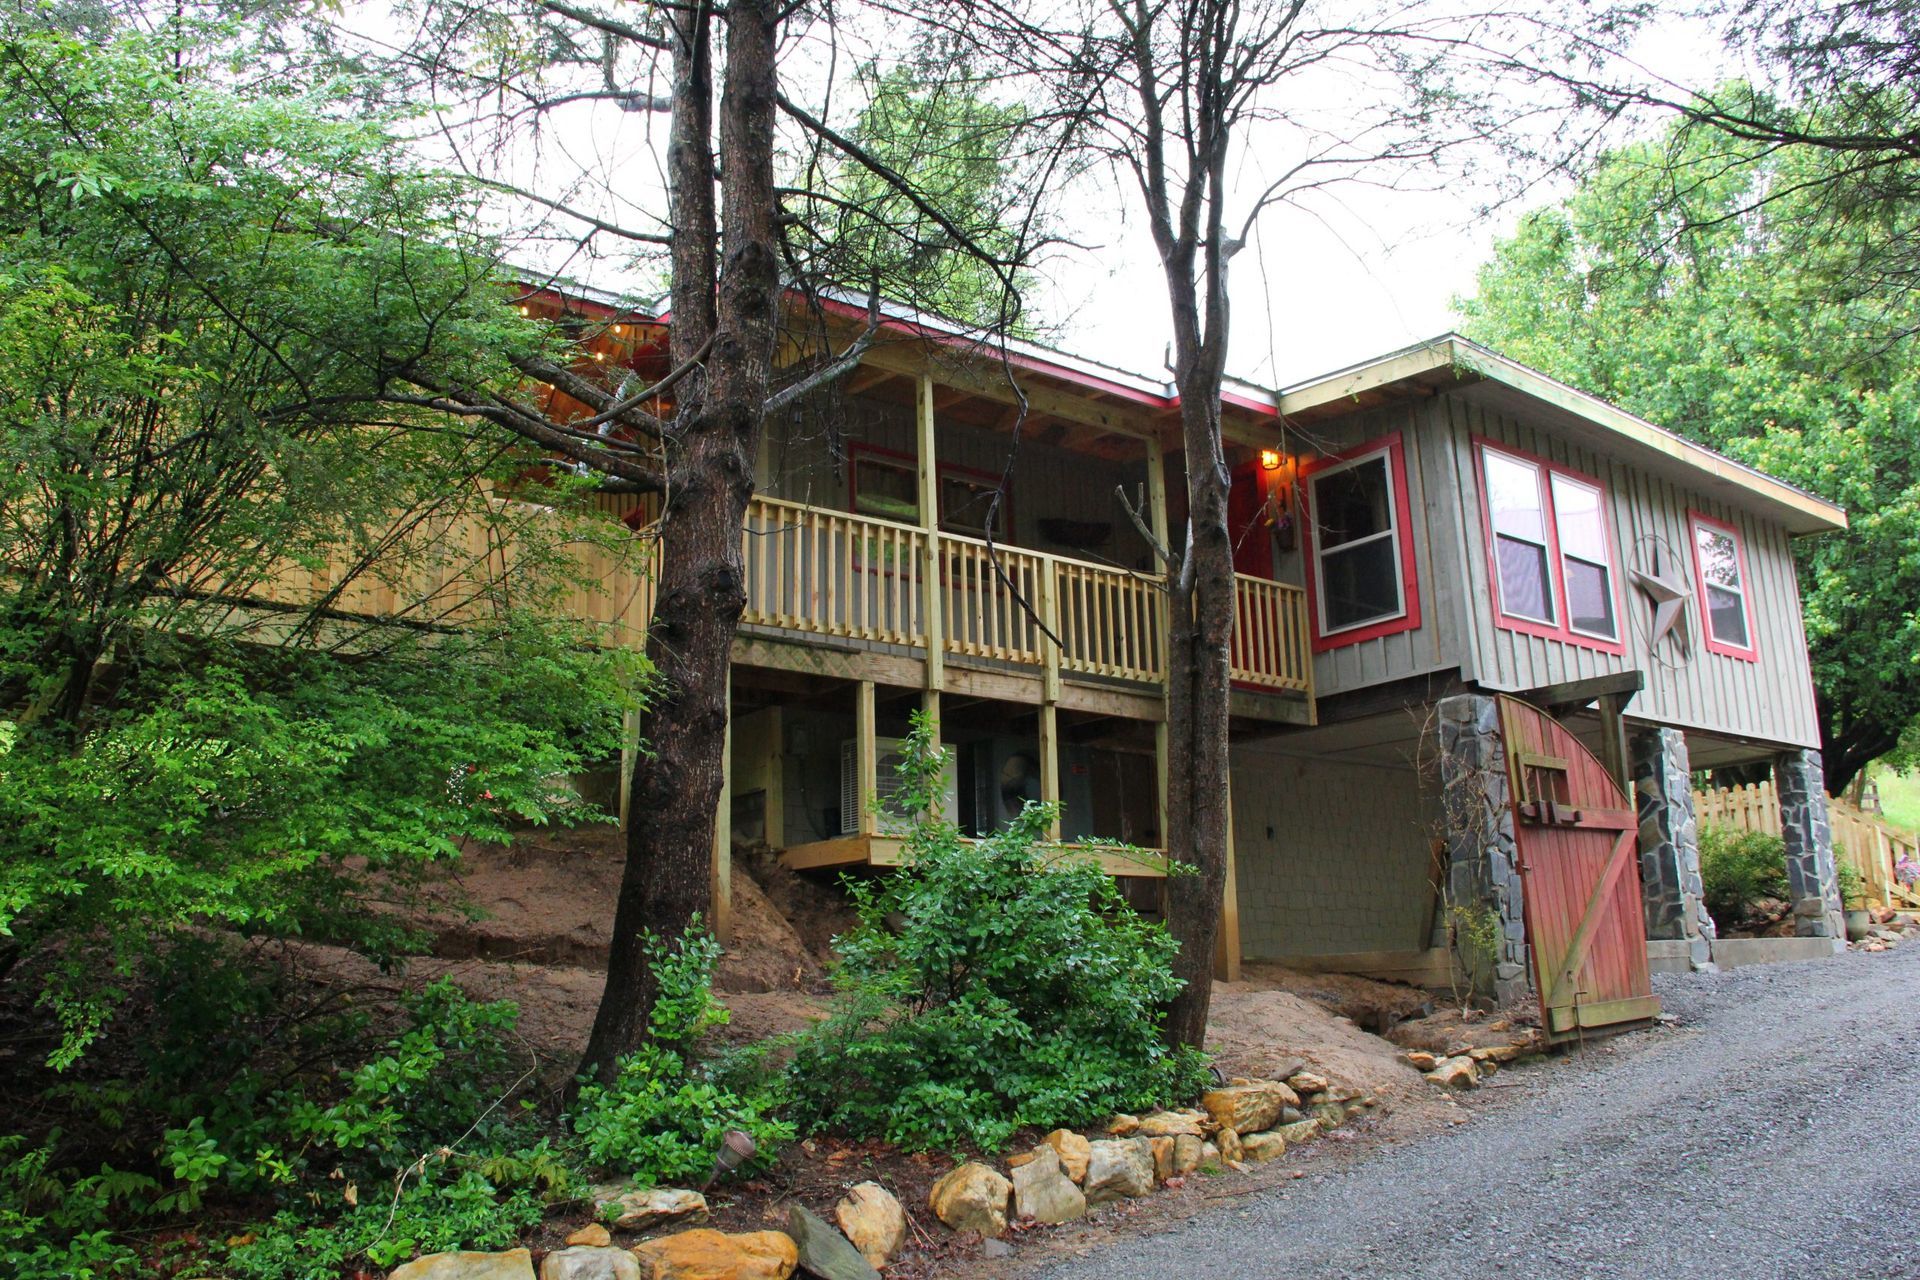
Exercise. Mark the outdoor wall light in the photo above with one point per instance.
(1269, 459)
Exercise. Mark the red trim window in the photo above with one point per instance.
(1361, 582)
(1720, 573)
(1551, 549)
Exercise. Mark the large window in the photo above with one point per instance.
(1552, 553)
(887, 484)
(1720, 571)
(1362, 576)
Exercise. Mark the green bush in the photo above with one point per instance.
(988, 987)
(663, 1117)
(1738, 871)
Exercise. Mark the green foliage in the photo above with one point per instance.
(59, 1228)
(1710, 286)
(1474, 936)
(989, 987)
(663, 1117)
(1851, 884)
(203, 294)
(1738, 871)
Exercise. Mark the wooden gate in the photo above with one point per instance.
(1577, 848)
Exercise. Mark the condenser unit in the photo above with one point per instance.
(893, 816)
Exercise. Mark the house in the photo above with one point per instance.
(1477, 611)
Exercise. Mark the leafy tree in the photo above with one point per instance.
(211, 304)
(1667, 285)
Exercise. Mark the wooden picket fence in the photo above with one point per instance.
(1860, 839)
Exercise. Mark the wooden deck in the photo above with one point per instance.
(881, 850)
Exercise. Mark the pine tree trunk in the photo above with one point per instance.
(701, 588)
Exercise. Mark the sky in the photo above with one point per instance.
(1367, 271)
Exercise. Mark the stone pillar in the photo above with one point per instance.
(1481, 870)
(1801, 785)
(1670, 844)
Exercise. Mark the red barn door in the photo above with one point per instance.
(1577, 840)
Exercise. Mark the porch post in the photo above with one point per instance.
(930, 557)
(1482, 873)
(1670, 844)
(722, 886)
(1800, 782)
(866, 755)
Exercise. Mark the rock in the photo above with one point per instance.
(1209, 1153)
(1166, 1124)
(514, 1264)
(1494, 1053)
(1422, 1060)
(824, 1252)
(1355, 1110)
(1119, 1169)
(995, 1249)
(1249, 1108)
(1073, 1150)
(1455, 1073)
(1043, 1191)
(972, 1198)
(1331, 1115)
(1306, 1082)
(874, 1221)
(645, 1210)
(1229, 1141)
(1258, 1148)
(706, 1254)
(592, 1234)
(1188, 1151)
(1162, 1149)
(1024, 1157)
(1122, 1125)
(589, 1262)
(1300, 1131)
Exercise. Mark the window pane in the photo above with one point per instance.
(1727, 616)
(1353, 503)
(885, 489)
(964, 505)
(1361, 584)
(1513, 497)
(1719, 561)
(1590, 599)
(1576, 514)
(1523, 579)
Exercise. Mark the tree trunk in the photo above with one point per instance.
(1201, 626)
(701, 586)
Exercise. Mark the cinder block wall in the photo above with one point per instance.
(1330, 858)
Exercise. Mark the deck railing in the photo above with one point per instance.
(860, 578)
(1270, 642)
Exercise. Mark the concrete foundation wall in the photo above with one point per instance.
(1331, 857)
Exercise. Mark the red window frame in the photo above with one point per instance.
(1393, 448)
(942, 470)
(1696, 521)
(1561, 628)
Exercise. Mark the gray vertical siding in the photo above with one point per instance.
(1771, 699)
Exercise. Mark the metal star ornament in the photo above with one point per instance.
(1669, 600)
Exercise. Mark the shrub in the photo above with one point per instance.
(1738, 871)
(663, 1117)
(987, 987)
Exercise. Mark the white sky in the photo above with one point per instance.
(1370, 271)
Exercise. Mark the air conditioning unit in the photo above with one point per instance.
(893, 818)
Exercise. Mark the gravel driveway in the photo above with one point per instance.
(1774, 1132)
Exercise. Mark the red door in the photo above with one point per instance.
(1577, 841)
(1250, 521)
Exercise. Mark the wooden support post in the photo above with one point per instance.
(1050, 762)
(722, 922)
(931, 566)
(629, 756)
(1226, 951)
(1157, 491)
(1613, 741)
(864, 711)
